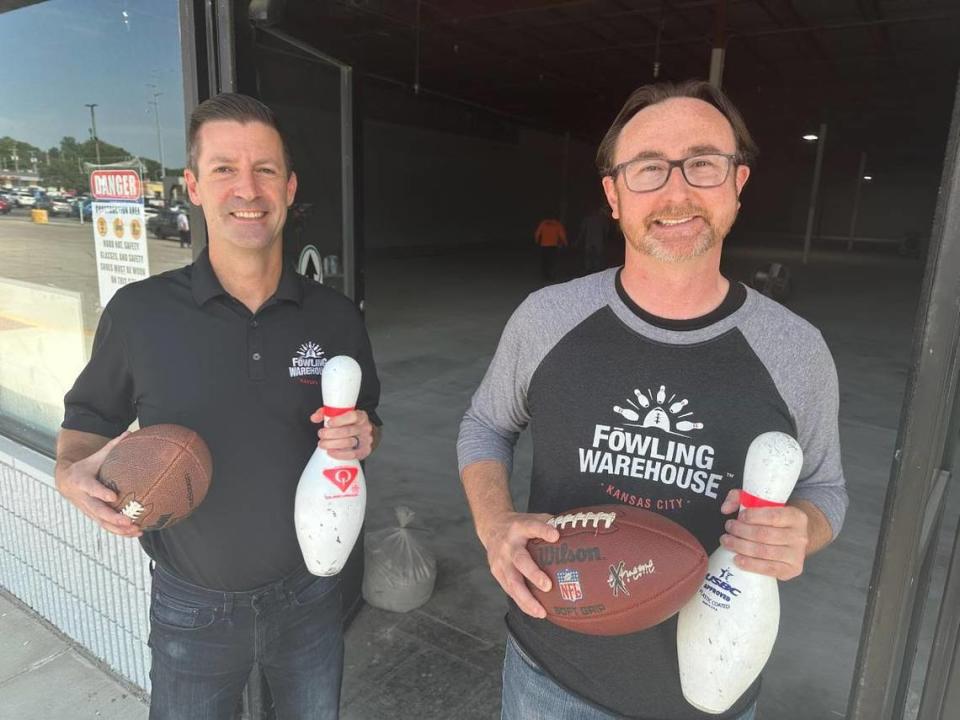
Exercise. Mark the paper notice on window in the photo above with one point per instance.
(119, 230)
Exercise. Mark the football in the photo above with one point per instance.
(617, 569)
(160, 474)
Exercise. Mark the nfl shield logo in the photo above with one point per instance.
(569, 582)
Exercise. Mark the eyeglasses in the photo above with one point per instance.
(700, 171)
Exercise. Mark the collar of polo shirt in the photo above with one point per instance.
(206, 285)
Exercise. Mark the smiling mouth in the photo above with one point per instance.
(248, 214)
(669, 222)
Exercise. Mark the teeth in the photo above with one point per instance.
(248, 215)
(664, 221)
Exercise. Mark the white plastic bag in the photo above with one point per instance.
(399, 570)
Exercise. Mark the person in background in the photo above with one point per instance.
(183, 228)
(550, 236)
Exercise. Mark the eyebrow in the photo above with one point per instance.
(689, 152)
(230, 160)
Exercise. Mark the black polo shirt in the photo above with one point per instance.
(176, 348)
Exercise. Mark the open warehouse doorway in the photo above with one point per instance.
(472, 122)
(437, 142)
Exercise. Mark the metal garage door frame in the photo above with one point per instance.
(920, 476)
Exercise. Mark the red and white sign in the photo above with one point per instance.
(116, 185)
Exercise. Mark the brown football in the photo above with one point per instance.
(617, 569)
(160, 474)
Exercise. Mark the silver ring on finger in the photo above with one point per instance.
(356, 442)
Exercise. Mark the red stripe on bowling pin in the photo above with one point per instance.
(329, 412)
(752, 501)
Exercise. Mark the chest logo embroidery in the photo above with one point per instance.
(308, 361)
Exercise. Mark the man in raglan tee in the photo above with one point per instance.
(644, 385)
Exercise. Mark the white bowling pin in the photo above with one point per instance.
(642, 399)
(725, 633)
(661, 394)
(685, 425)
(628, 414)
(677, 406)
(332, 494)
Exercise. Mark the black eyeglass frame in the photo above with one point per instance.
(732, 161)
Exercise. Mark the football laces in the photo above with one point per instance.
(585, 519)
(132, 510)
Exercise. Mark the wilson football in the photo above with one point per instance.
(617, 569)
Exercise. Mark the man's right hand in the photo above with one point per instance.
(505, 539)
(78, 483)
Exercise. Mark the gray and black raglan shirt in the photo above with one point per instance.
(626, 408)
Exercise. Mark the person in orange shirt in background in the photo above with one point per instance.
(550, 236)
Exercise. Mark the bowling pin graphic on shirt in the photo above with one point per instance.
(725, 633)
(332, 494)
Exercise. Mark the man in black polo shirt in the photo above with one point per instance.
(214, 346)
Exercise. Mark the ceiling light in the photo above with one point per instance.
(810, 137)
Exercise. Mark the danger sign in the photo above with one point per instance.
(116, 185)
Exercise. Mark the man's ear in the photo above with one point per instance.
(613, 200)
(191, 180)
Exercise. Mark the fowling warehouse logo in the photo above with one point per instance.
(309, 360)
(649, 410)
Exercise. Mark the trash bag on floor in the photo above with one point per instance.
(400, 570)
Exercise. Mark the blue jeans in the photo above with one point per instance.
(204, 644)
(530, 694)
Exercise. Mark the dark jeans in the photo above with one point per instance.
(548, 262)
(530, 694)
(184, 238)
(204, 644)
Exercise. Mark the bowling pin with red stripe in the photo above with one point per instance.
(332, 494)
(725, 633)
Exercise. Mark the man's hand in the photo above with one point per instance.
(769, 541)
(505, 539)
(78, 483)
(350, 436)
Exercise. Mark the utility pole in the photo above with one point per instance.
(156, 112)
(93, 124)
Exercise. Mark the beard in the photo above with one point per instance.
(642, 238)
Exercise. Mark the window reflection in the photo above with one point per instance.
(96, 84)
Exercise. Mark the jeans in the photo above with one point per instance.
(530, 694)
(204, 644)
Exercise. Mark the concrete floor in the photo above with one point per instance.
(435, 321)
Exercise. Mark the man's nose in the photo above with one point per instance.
(245, 184)
(676, 185)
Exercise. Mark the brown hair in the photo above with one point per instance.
(648, 95)
(238, 108)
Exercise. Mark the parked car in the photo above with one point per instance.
(5, 206)
(87, 209)
(26, 199)
(163, 224)
(60, 206)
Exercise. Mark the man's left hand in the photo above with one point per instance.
(350, 436)
(769, 541)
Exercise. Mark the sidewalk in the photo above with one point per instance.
(396, 666)
(43, 677)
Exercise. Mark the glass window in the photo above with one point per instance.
(93, 87)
